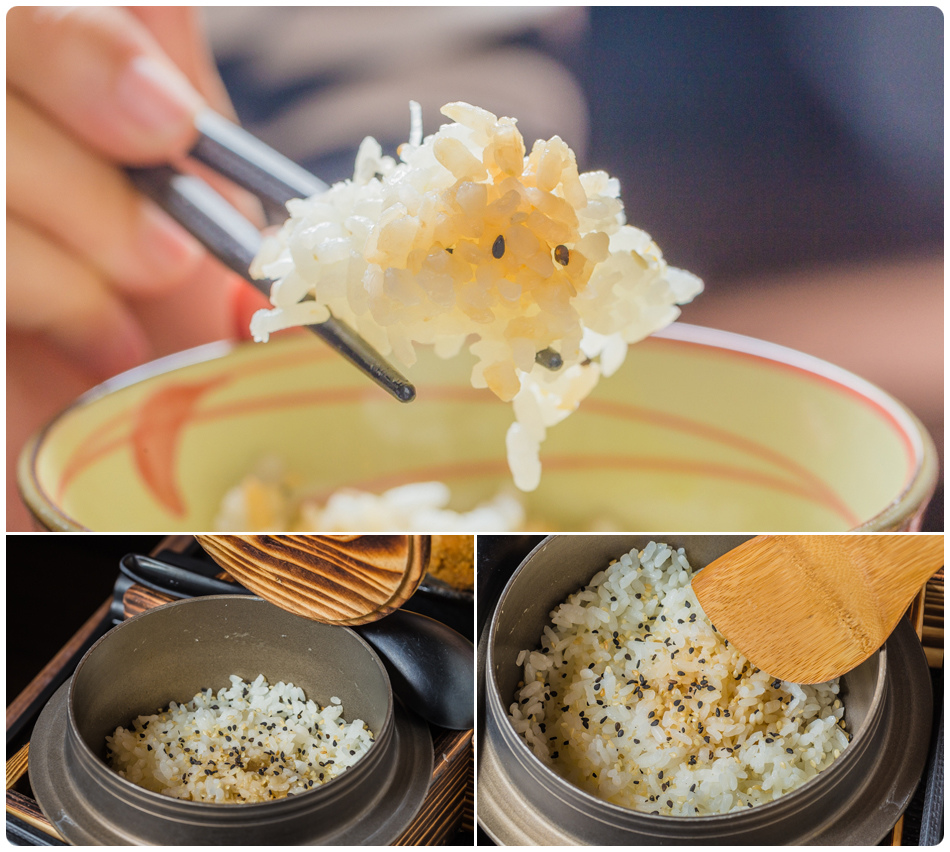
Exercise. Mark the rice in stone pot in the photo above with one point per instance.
(250, 742)
(635, 698)
(469, 234)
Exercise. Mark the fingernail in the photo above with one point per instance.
(156, 97)
(165, 248)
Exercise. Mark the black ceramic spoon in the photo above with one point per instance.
(430, 665)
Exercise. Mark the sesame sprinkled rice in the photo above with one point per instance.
(250, 742)
(696, 735)
(469, 235)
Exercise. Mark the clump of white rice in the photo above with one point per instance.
(634, 697)
(416, 507)
(250, 742)
(268, 499)
(471, 234)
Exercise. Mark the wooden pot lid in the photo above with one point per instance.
(334, 579)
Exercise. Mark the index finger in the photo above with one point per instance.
(99, 73)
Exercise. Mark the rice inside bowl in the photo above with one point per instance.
(250, 742)
(636, 699)
(269, 498)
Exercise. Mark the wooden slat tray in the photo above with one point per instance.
(447, 809)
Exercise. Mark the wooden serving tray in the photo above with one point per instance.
(448, 808)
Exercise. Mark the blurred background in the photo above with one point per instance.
(793, 158)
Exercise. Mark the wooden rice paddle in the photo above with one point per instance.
(808, 608)
(335, 579)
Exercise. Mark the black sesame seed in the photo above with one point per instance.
(498, 247)
(562, 255)
(654, 723)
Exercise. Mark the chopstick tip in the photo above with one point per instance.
(405, 393)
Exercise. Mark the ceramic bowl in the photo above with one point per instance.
(700, 430)
(172, 652)
(855, 801)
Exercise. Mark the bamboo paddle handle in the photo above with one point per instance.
(808, 608)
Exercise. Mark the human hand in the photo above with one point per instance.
(98, 278)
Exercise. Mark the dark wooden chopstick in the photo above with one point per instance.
(234, 240)
(247, 161)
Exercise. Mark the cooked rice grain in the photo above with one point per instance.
(250, 742)
(471, 234)
(635, 698)
(268, 499)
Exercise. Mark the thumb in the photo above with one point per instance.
(99, 73)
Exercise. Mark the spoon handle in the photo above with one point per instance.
(920, 557)
(432, 668)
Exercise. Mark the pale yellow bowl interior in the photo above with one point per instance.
(699, 431)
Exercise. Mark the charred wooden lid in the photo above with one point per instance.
(335, 579)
